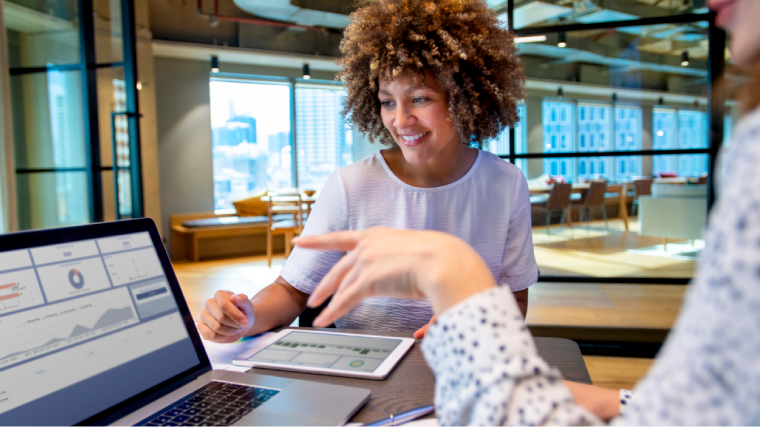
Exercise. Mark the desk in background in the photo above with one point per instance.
(411, 384)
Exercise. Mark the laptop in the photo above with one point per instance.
(94, 330)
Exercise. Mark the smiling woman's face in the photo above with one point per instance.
(740, 18)
(416, 115)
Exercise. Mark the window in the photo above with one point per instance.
(684, 129)
(628, 127)
(323, 140)
(500, 144)
(250, 139)
(597, 129)
(562, 129)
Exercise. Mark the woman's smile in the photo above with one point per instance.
(413, 139)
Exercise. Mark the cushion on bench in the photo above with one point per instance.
(233, 220)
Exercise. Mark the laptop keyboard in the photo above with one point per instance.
(215, 404)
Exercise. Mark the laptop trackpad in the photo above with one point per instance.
(306, 403)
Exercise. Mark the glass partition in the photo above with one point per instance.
(66, 80)
(644, 228)
(48, 120)
(48, 200)
(42, 33)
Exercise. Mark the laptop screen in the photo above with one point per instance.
(85, 325)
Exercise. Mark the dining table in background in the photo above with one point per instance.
(621, 189)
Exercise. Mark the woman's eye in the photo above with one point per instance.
(419, 100)
(386, 104)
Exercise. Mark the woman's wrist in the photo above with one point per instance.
(451, 280)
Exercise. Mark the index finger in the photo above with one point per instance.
(232, 311)
(338, 241)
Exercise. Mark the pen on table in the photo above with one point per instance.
(404, 417)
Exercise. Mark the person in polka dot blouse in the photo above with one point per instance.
(487, 368)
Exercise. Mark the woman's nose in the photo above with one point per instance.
(404, 118)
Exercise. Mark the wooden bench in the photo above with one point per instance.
(186, 240)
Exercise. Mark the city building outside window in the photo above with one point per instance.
(250, 134)
(323, 140)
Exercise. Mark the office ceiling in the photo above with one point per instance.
(645, 57)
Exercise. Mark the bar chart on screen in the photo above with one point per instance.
(43, 330)
(133, 266)
(19, 290)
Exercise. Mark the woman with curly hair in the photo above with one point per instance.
(429, 79)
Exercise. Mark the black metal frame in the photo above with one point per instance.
(88, 67)
(716, 110)
(133, 110)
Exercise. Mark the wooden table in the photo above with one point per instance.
(621, 189)
(411, 384)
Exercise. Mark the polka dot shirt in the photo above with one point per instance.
(488, 371)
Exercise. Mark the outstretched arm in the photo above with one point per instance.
(486, 365)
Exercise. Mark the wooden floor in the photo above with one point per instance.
(577, 304)
(603, 253)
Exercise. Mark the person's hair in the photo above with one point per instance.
(460, 42)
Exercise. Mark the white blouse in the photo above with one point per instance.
(489, 208)
(708, 372)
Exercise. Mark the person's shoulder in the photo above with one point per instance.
(366, 168)
(491, 163)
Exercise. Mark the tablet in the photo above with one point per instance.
(328, 353)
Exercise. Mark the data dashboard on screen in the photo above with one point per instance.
(77, 315)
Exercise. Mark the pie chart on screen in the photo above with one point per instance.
(76, 279)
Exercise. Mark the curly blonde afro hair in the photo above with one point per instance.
(460, 42)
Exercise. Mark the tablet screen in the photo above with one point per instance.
(333, 351)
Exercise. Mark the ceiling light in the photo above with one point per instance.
(306, 74)
(660, 133)
(685, 59)
(530, 39)
(139, 85)
(562, 40)
(214, 64)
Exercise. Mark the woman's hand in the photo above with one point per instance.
(226, 317)
(602, 402)
(396, 263)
